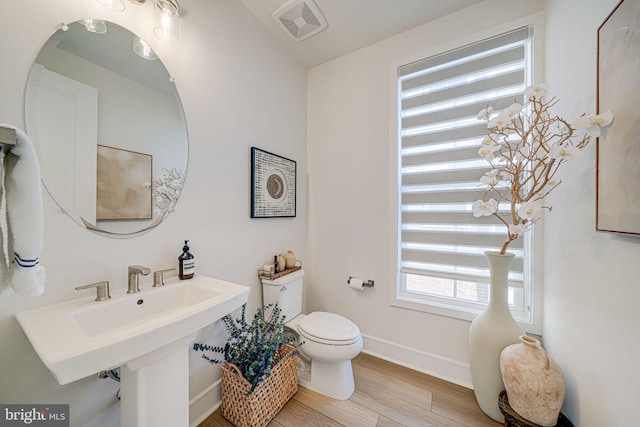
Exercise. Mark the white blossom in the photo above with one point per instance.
(491, 178)
(485, 113)
(536, 90)
(488, 151)
(603, 119)
(500, 121)
(487, 140)
(563, 152)
(513, 110)
(507, 175)
(482, 208)
(516, 229)
(529, 210)
(592, 124)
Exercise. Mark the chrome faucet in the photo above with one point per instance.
(134, 277)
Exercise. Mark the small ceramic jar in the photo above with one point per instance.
(290, 259)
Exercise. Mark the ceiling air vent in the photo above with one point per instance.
(300, 19)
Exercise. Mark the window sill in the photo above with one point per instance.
(450, 311)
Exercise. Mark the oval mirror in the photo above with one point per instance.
(108, 127)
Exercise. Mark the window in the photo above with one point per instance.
(440, 250)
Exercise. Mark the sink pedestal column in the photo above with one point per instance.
(155, 387)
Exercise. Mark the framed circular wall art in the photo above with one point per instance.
(273, 185)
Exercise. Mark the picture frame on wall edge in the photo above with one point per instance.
(618, 148)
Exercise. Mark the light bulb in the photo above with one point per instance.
(166, 14)
(116, 5)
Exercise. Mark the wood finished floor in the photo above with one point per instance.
(386, 395)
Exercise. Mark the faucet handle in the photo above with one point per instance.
(158, 277)
(102, 290)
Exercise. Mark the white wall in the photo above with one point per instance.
(349, 141)
(239, 89)
(591, 279)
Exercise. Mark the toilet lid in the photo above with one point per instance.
(322, 326)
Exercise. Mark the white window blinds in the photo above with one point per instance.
(440, 135)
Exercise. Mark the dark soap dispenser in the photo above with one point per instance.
(186, 263)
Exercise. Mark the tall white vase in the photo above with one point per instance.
(489, 333)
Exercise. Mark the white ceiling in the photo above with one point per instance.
(354, 24)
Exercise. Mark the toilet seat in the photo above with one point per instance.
(329, 328)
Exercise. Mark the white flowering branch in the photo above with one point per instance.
(525, 148)
(166, 190)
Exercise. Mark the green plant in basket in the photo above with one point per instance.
(252, 347)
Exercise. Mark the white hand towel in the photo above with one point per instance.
(24, 217)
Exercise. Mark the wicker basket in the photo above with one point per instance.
(259, 407)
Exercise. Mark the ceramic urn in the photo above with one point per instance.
(534, 382)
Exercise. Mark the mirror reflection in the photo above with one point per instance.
(108, 127)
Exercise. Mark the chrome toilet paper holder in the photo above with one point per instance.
(365, 283)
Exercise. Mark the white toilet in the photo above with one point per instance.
(330, 340)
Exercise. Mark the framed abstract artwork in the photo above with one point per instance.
(618, 149)
(273, 185)
(123, 180)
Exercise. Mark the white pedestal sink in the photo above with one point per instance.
(146, 334)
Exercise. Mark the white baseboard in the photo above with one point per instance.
(204, 404)
(437, 366)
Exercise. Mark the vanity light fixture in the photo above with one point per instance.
(116, 5)
(94, 25)
(166, 12)
(142, 49)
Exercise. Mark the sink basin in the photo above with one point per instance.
(138, 309)
(82, 337)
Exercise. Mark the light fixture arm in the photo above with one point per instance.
(170, 6)
(176, 5)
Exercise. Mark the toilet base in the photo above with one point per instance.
(332, 379)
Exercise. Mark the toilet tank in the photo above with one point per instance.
(286, 291)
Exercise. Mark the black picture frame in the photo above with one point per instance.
(273, 185)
